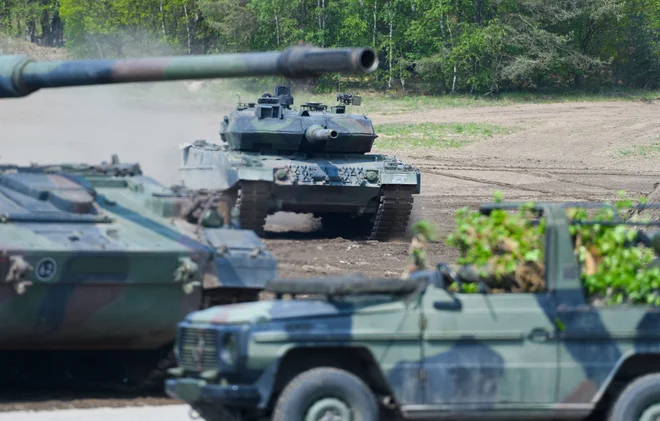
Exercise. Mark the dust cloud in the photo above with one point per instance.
(288, 221)
(142, 123)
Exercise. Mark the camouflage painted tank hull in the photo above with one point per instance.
(104, 259)
(355, 194)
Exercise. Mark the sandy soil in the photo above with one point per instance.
(557, 152)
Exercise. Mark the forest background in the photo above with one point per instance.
(425, 46)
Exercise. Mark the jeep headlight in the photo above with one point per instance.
(228, 348)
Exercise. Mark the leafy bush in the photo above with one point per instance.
(502, 246)
(614, 268)
(507, 251)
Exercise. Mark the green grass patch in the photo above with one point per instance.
(434, 135)
(390, 104)
(642, 150)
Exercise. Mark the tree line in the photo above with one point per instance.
(476, 46)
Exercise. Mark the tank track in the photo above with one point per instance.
(252, 205)
(391, 221)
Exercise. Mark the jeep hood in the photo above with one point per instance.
(279, 310)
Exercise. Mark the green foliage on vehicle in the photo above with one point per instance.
(614, 266)
(423, 231)
(499, 244)
(612, 270)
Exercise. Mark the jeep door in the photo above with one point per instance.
(482, 351)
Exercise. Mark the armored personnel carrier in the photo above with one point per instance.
(312, 160)
(100, 262)
(102, 257)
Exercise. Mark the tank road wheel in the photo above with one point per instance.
(391, 221)
(326, 394)
(252, 205)
(639, 401)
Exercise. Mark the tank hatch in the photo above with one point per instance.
(47, 192)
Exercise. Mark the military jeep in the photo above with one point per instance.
(364, 349)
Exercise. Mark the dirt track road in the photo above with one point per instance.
(558, 152)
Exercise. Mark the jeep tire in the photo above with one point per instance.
(636, 398)
(314, 393)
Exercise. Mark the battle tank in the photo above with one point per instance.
(100, 261)
(313, 160)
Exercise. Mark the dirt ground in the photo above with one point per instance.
(566, 151)
(557, 152)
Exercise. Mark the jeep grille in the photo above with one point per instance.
(198, 349)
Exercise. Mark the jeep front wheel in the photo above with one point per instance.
(639, 401)
(326, 394)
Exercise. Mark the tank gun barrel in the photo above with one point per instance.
(317, 133)
(20, 76)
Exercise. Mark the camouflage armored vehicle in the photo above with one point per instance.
(104, 258)
(312, 160)
(416, 348)
(99, 261)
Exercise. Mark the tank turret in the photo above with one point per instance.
(20, 76)
(315, 160)
(271, 124)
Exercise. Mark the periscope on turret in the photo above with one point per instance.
(21, 76)
(273, 158)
